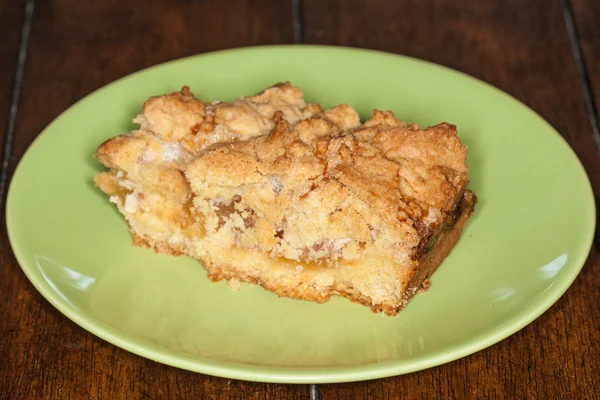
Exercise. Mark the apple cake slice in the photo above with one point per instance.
(305, 202)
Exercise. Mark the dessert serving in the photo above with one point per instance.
(306, 202)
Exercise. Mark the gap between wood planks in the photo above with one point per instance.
(587, 92)
(586, 86)
(14, 100)
(298, 33)
(588, 95)
(314, 392)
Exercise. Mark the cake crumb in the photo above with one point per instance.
(234, 284)
(131, 203)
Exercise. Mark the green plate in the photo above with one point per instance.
(524, 246)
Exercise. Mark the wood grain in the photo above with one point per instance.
(11, 17)
(586, 14)
(522, 48)
(79, 46)
(43, 355)
(587, 20)
(75, 48)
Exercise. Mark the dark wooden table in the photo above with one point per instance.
(546, 53)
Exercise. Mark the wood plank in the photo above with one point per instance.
(43, 355)
(11, 18)
(527, 53)
(586, 14)
(522, 48)
(77, 47)
(81, 46)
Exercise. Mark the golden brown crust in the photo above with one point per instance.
(305, 202)
(443, 244)
(425, 266)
